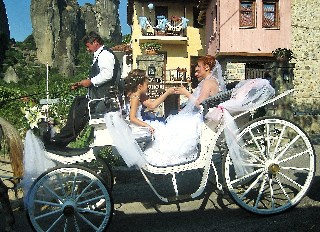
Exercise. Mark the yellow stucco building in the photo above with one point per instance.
(173, 25)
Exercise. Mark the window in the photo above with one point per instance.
(247, 13)
(161, 11)
(270, 14)
(196, 13)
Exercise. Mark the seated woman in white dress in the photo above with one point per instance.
(136, 91)
(176, 140)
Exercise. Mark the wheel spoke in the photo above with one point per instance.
(48, 214)
(53, 193)
(267, 151)
(271, 193)
(76, 224)
(280, 138)
(295, 156)
(87, 221)
(289, 179)
(260, 191)
(90, 193)
(54, 223)
(251, 186)
(85, 189)
(243, 178)
(258, 146)
(74, 183)
(287, 147)
(61, 185)
(90, 200)
(49, 203)
(282, 188)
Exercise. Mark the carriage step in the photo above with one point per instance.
(67, 151)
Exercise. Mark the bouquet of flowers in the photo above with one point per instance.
(34, 114)
(42, 119)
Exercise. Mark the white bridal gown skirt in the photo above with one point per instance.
(176, 141)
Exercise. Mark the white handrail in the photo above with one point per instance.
(266, 102)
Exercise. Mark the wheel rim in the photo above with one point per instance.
(69, 199)
(281, 167)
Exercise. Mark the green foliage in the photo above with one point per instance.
(31, 88)
(10, 106)
(151, 45)
(284, 53)
(126, 39)
(108, 43)
(28, 43)
(110, 156)
(13, 56)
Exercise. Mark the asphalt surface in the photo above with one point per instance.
(137, 209)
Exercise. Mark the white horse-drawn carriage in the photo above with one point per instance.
(76, 195)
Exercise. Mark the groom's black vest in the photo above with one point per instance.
(109, 88)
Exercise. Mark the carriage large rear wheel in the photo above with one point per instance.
(280, 166)
(69, 198)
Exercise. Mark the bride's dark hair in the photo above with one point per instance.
(135, 77)
(208, 60)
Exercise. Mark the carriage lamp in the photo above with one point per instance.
(150, 6)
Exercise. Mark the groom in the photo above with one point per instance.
(101, 83)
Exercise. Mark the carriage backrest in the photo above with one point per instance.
(215, 100)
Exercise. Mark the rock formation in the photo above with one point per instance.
(59, 25)
(11, 75)
(4, 30)
(104, 18)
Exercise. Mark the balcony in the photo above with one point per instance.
(171, 31)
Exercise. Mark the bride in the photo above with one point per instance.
(175, 141)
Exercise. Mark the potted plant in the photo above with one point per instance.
(151, 47)
(283, 54)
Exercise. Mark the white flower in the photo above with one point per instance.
(34, 115)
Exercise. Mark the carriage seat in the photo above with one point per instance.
(98, 122)
(215, 100)
(98, 107)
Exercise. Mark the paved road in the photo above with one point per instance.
(138, 210)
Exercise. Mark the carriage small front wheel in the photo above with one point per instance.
(69, 198)
(280, 166)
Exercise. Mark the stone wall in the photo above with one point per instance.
(306, 48)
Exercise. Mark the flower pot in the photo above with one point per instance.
(150, 52)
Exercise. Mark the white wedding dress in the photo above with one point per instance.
(175, 141)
